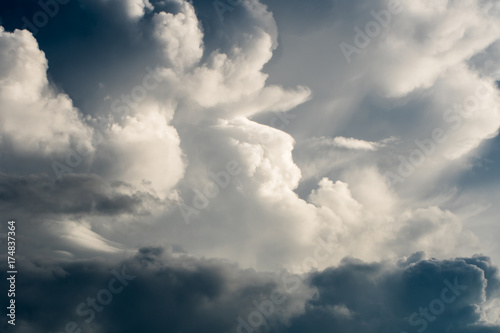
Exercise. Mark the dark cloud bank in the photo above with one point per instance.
(73, 194)
(161, 291)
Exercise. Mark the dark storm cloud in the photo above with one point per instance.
(429, 295)
(164, 292)
(73, 194)
(160, 293)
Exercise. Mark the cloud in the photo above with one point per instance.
(409, 298)
(137, 8)
(36, 120)
(170, 290)
(143, 151)
(166, 290)
(431, 37)
(371, 226)
(153, 147)
(74, 194)
(341, 142)
(180, 36)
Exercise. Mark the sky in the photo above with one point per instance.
(251, 165)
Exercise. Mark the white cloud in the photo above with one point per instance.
(144, 151)
(347, 143)
(78, 236)
(136, 8)
(35, 119)
(180, 35)
(369, 232)
(427, 39)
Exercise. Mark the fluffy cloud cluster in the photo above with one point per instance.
(35, 118)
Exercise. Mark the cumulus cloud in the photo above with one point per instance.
(136, 8)
(180, 36)
(35, 118)
(373, 228)
(143, 151)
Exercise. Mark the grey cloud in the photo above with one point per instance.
(172, 293)
(382, 298)
(73, 194)
(167, 294)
